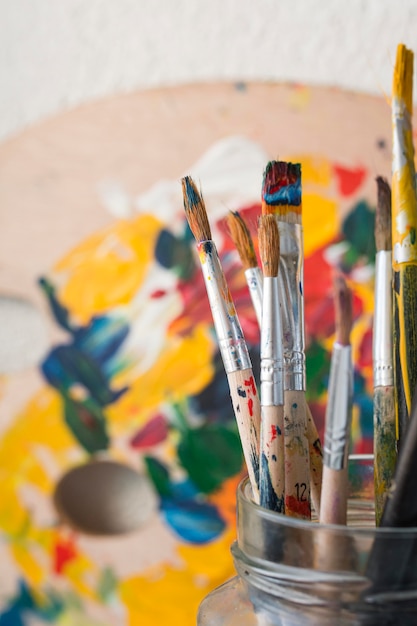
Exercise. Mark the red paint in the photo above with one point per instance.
(301, 508)
(158, 293)
(155, 431)
(319, 297)
(87, 418)
(274, 432)
(365, 351)
(64, 552)
(250, 406)
(195, 305)
(349, 180)
(251, 383)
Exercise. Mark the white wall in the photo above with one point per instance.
(56, 54)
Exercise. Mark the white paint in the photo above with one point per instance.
(23, 335)
(402, 126)
(401, 222)
(56, 55)
(230, 171)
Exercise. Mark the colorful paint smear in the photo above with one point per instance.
(137, 373)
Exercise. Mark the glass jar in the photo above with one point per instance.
(299, 573)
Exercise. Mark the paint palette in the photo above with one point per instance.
(131, 367)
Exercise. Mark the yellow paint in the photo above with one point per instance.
(320, 221)
(171, 595)
(404, 201)
(184, 368)
(315, 170)
(404, 223)
(83, 574)
(300, 97)
(109, 267)
(402, 84)
(29, 566)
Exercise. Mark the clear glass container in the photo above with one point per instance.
(297, 573)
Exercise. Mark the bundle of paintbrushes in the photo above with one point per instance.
(280, 443)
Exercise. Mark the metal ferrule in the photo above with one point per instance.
(339, 408)
(272, 364)
(254, 281)
(290, 280)
(232, 344)
(382, 346)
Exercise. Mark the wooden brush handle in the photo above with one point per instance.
(334, 495)
(272, 465)
(384, 445)
(316, 460)
(247, 410)
(297, 457)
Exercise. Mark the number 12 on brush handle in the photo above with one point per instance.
(297, 458)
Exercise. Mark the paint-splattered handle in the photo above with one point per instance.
(384, 445)
(272, 463)
(297, 457)
(247, 410)
(316, 460)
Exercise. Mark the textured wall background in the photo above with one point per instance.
(57, 54)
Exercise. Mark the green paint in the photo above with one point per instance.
(210, 454)
(107, 584)
(358, 228)
(159, 475)
(384, 445)
(317, 370)
(412, 236)
(87, 423)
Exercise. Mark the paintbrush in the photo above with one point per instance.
(281, 196)
(242, 239)
(229, 333)
(404, 238)
(271, 465)
(334, 491)
(400, 510)
(385, 453)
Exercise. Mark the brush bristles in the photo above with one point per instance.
(402, 86)
(383, 235)
(268, 238)
(281, 190)
(242, 239)
(343, 304)
(195, 210)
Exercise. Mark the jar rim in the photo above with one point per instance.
(244, 498)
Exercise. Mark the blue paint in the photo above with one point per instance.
(102, 338)
(193, 197)
(268, 497)
(208, 247)
(194, 520)
(59, 312)
(176, 253)
(282, 183)
(66, 366)
(291, 194)
(24, 604)
(241, 392)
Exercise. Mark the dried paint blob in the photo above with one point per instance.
(23, 335)
(104, 497)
